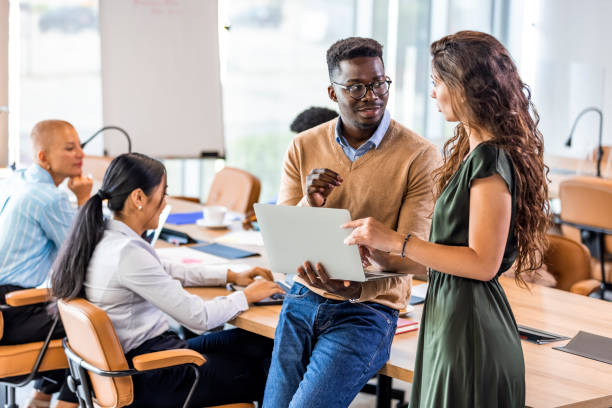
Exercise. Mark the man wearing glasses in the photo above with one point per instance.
(332, 336)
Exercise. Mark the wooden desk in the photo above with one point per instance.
(553, 378)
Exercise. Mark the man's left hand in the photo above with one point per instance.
(320, 279)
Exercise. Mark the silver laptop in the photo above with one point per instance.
(153, 235)
(293, 235)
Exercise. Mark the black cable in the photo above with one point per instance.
(129, 141)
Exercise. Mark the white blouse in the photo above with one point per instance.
(126, 279)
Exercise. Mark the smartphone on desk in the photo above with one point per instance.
(275, 299)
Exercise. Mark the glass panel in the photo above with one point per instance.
(448, 17)
(274, 60)
(470, 15)
(412, 72)
(274, 67)
(59, 74)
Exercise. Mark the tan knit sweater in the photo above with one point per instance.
(392, 183)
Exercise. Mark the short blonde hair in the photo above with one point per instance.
(43, 132)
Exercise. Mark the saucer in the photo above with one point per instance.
(407, 311)
(202, 222)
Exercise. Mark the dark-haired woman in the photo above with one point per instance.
(109, 263)
(491, 212)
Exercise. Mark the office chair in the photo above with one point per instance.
(235, 189)
(99, 372)
(22, 363)
(569, 262)
(586, 216)
(195, 200)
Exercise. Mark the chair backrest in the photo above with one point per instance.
(188, 198)
(1, 326)
(569, 261)
(588, 201)
(92, 336)
(235, 189)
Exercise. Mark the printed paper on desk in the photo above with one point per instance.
(187, 255)
(419, 290)
(239, 267)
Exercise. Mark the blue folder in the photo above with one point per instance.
(184, 218)
(415, 300)
(224, 251)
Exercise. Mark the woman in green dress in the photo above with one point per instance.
(490, 213)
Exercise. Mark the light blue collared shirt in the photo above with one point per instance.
(371, 143)
(35, 217)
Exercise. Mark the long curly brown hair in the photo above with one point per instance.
(488, 95)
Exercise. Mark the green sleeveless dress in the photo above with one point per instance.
(469, 352)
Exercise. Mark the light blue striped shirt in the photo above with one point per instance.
(371, 143)
(35, 217)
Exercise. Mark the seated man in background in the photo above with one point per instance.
(331, 338)
(312, 117)
(305, 120)
(35, 217)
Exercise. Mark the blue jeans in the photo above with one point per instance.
(326, 350)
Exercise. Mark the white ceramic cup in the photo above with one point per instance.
(214, 214)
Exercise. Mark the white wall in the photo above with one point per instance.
(160, 77)
(564, 53)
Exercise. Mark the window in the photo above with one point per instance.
(55, 69)
(273, 67)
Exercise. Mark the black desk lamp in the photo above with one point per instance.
(129, 141)
(599, 147)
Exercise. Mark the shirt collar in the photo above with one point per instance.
(376, 137)
(121, 227)
(37, 174)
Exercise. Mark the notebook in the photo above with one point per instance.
(591, 346)
(185, 218)
(224, 251)
(406, 325)
(538, 336)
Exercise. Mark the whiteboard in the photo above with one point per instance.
(160, 76)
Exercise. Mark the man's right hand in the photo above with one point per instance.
(261, 289)
(81, 187)
(319, 184)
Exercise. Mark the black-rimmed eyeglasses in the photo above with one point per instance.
(358, 91)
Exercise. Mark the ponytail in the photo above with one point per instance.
(125, 174)
(70, 266)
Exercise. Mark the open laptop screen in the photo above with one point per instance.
(152, 235)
